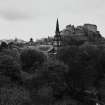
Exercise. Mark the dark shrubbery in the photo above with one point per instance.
(68, 40)
(57, 72)
(75, 69)
(31, 59)
(14, 95)
(3, 45)
(9, 67)
(51, 77)
(11, 52)
(84, 65)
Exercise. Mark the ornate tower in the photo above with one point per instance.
(57, 38)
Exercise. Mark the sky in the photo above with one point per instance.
(24, 19)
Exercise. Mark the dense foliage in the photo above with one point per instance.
(31, 59)
(29, 77)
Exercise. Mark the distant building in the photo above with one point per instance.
(91, 27)
(70, 28)
(31, 42)
(57, 41)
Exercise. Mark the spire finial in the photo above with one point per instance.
(57, 26)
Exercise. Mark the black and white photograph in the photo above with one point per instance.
(52, 52)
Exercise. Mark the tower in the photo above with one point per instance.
(57, 38)
(31, 41)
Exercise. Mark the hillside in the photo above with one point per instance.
(74, 75)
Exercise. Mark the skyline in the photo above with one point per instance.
(24, 19)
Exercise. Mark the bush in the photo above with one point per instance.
(83, 65)
(69, 40)
(11, 52)
(4, 80)
(14, 95)
(57, 72)
(9, 67)
(101, 89)
(49, 83)
(31, 59)
(35, 80)
(3, 45)
(69, 55)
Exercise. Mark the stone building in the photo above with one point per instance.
(90, 27)
(57, 41)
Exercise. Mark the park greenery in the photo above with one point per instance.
(76, 75)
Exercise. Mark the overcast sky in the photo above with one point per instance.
(37, 18)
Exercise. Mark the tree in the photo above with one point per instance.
(101, 89)
(3, 45)
(10, 68)
(70, 40)
(57, 72)
(14, 95)
(83, 65)
(31, 59)
(11, 52)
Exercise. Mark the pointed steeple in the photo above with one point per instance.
(57, 27)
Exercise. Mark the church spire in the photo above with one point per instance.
(57, 27)
(57, 38)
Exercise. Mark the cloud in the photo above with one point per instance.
(30, 9)
(14, 15)
(16, 9)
